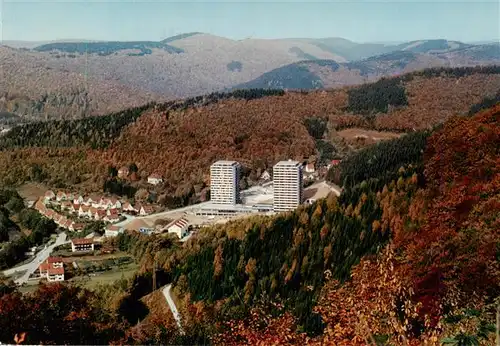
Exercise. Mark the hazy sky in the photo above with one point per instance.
(360, 21)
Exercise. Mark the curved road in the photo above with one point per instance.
(173, 308)
(32, 266)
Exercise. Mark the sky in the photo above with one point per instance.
(358, 20)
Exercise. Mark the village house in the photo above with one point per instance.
(76, 227)
(52, 269)
(57, 218)
(123, 172)
(49, 213)
(112, 211)
(83, 211)
(127, 207)
(56, 262)
(146, 210)
(96, 202)
(112, 217)
(66, 205)
(111, 203)
(74, 208)
(82, 244)
(78, 199)
(62, 220)
(55, 274)
(100, 214)
(155, 179)
(61, 196)
(40, 207)
(68, 224)
(178, 227)
(112, 231)
(333, 163)
(49, 195)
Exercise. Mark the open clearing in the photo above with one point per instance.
(355, 133)
(31, 191)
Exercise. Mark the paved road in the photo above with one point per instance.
(32, 266)
(173, 308)
(168, 213)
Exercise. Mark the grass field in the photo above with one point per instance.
(29, 288)
(107, 277)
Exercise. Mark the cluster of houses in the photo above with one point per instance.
(311, 172)
(60, 220)
(52, 269)
(153, 179)
(108, 209)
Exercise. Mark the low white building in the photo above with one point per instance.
(178, 227)
(155, 179)
(82, 244)
(55, 274)
(112, 231)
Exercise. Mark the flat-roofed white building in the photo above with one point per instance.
(287, 185)
(224, 182)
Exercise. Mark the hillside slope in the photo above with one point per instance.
(407, 255)
(317, 74)
(176, 139)
(33, 90)
(418, 290)
(129, 73)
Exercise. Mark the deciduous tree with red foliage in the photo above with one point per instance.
(56, 314)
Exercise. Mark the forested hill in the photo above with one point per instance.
(318, 74)
(407, 255)
(260, 127)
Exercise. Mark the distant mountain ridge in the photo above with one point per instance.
(74, 79)
(316, 74)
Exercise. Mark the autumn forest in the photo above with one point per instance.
(408, 254)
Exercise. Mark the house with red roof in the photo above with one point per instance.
(55, 274)
(78, 199)
(100, 214)
(178, 227)
(49, 195)
(127, 207)
(66, 205)
(61, 196)
(52, 269)
(76, 227)
(112, 216)
(146, 210)
(84, 211)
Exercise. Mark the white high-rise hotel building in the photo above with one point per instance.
(287, 185)
(224, 182)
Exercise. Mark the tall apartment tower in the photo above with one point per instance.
(287, 185)
(225, 182)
